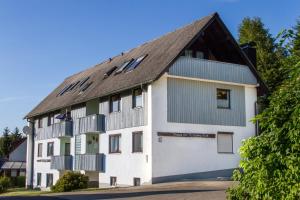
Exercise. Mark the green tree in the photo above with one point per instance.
(16, 135)
(268, 55)
(5, 143)
(271, 161)
(296, 41)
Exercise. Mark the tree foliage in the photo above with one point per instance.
(9, 140)
(269, 56)
(271, 161)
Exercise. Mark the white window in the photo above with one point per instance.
(115, 143)
(225, 142)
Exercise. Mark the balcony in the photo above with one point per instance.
(90, 162)
(61, 129)
(61, 162)
(90, 124)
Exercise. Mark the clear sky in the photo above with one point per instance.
(44, 41)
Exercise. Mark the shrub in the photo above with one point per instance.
(5, 183)
(71, 181)
(20, 181)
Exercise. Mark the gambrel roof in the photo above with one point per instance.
(160, 54)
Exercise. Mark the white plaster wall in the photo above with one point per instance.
(19, 154)
(179, 155)
(126, 165)
(44, 167)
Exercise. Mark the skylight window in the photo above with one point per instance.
(110, 71)
(123, 66)
(86, 86)
(84, 81)
(82, 84)
(135, 63)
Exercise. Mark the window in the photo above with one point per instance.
(67, 149)
(135, 63)
(136, 181)
(225, 142)
(50, 148)
(137, 98)
(38, 179)
(40, 123)
(115, 103)
(40, 150)
(110, 71)
(49, 180)
(125, 64)
(137, 142)
(50, 120)
(188, 53)
(114, 143)
(113, 181)
(199, 54)
(223, 98)
(13, 173)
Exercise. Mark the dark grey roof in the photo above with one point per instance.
(161, 53)
(14, 165)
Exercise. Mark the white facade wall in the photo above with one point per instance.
(184, 155)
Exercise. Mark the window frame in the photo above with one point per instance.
(38, 179)
(228, 98)
(133, 139)
(40, 150)
(48, 175)
(225, 133)
(111, 180)
(50, 120)
(119, 146)
(136, 180)
(134, 99)
(111, 103)
(40, 123)
(52, 150)
(67, 143)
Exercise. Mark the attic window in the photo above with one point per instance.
(123, 66)
(74, 86)
(135, 63)
(86, 86)
(84, 81)
(110, 71)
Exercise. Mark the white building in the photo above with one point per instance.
(175, 108)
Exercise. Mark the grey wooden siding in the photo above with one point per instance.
(61, 162)
(89, 162)
(90, 124)
(128, 116)
(60, 129)
(78, 144)
(195, 102)
(212, 70)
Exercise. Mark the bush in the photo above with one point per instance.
(18, 181)
(5, 183)
(71, 181)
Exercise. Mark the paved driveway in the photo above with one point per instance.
(197, 190)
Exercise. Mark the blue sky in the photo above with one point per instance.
(42, 42)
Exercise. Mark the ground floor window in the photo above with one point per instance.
(137, 141)
(115, 143)
(38, 179)
(136, 181)
(225, 142)
(113, 181)
(49, 180)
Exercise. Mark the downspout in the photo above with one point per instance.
(29, 184)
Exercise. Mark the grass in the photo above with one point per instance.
(23, 192)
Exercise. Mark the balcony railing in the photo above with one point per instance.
(90, 124)
(90, 162)
(61, 129)
(61, 162)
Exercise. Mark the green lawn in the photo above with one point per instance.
(23, 192)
